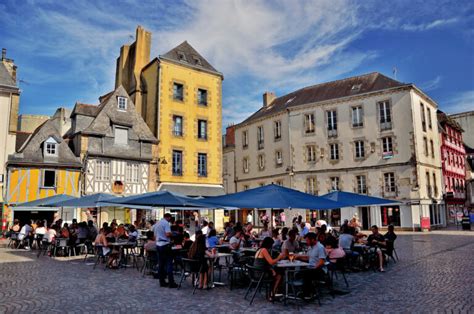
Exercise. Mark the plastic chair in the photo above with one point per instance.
(150, 263)
(62, 244)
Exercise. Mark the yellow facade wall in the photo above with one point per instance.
(191, 112)
(25, 184)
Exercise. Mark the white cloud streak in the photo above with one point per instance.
(431, 84)
(430, 25)
(461, 102)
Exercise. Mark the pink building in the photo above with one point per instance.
(453, 164)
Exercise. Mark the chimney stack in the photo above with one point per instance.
(268, 97)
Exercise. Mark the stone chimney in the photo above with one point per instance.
(268, 97)
(9, 64)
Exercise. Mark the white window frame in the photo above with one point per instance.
(261, 162)
(331, 120)
(178, 127)
(385, 114)
(335, 181)
(359, 149)
(311, 153)
(387, 145)
(361, 181)
(245, 139)
(102, 170)
(260, 137)
(277, 130)
(357, 117)
(132, 171)
(278, 157)
(309, 123)
(311, 185)
(334, 151)
(389, 182)
(122, 103)
(245, 164)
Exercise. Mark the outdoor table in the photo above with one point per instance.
(121, 246)
(212, 260)
(287, 265)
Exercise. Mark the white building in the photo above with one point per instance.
(367, 134)
(9, 102)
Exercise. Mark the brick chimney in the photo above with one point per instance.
(9, 64)
(268, 97)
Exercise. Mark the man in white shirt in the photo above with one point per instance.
(25, 234)
(237, 241)
(249, 218)
(162, 231)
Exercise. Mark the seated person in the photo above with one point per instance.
(132, 234)
(199, 252)
(316, 257)
(150, 244)
(276, 239)
(16, 226)
(322, 235)
(187, 241)
(377, 241)
(390, 235)
(237, 241)
(304, 230)
(290, 245)
(265, 232)
(25, 234)
(212, 240)
(333, 251)
(264, 260)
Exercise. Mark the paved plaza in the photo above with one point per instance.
(434, 274)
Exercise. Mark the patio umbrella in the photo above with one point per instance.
(272, 196)
(353, 199)
(51, 201)
(157, 199)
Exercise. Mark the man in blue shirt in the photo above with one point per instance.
(316, 259)
(162, 231)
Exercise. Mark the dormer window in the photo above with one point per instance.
(182, 56)
(197, 61)
(356, 87)
(51, 147)
(122, 103)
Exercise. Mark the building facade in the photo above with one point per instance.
(453, 156)
(115, 146)
(9, 103)
(44, 166)
(367, 134)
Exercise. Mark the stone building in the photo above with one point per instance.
(9, 102)
(27, 123)
(179, 95)
(367, 134)
(115, 146)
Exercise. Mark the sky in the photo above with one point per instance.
(66, 50)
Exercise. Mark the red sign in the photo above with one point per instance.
(425, 223)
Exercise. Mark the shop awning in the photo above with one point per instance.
(193, 190)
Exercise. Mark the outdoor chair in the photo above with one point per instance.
(296, 283)
(338, 266)
(191, 268)
(62, 245)
(390, 252)
(258, 278)
(13, 243)
(43, 246)
(151, 260)
(237, 270)
(100, 256)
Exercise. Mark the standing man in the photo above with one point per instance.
(249, 218)
(162, 231)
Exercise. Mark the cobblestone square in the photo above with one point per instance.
(434, 274)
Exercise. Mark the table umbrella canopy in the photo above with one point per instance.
(88, 201)
(157, 199)
(353, 199)
(272, 196)
(51, 201)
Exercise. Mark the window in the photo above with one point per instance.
(202, 129)
(245, 139)
(311, 153)
(357, 117)
(261, 162)
(334, 151)
(245, 164)
(432, 149)
(202, 165)
(428, 184)
(428, 112)
(277, 129)
(51, 149)
(131, 172)
(178, 90)
(49, 178)
(177, 126)
(202, 97)
(260, 137)
(359, 149)
(423, 117)
(278, 158)
(334, 183)
(311, 185)
(389, 182)
(385, 115)
(425, 146)
(387, 148)
(120, 136)
(102, 171)
(182, 56)
(122, 103)
(309, 124)
(332, 122)
(361, 184)
(177, 163)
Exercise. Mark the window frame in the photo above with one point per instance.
(278, 161)
(178, 132)
(132, 172)
(385, 119)
(334, 151)
(361, 182)
(390, 177)
(261, 162)
(102, 171)
(359, 148)
(202, 166)
(360, 116)
(260, 137)
(245, 165)
(43, 178)
(201, 136)
(122, 128)
(277, 130)
(125, 103)
(245, 139)
(200, 92)
(177, 163)
(309, 123)
(337, 186)
(176, 88)
(311, 153)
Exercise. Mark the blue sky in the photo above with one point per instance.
(65, 51)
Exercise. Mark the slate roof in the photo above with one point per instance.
(5, 78)
(187, 55)
(106, 112)
(351, 86)
(443, 119)
(32, 153)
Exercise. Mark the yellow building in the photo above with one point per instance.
(179, 95)
(44, 166)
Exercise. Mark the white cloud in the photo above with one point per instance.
(461, 102)
(431, 84)
(427, 26)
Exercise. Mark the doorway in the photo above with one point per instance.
(365, 214)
